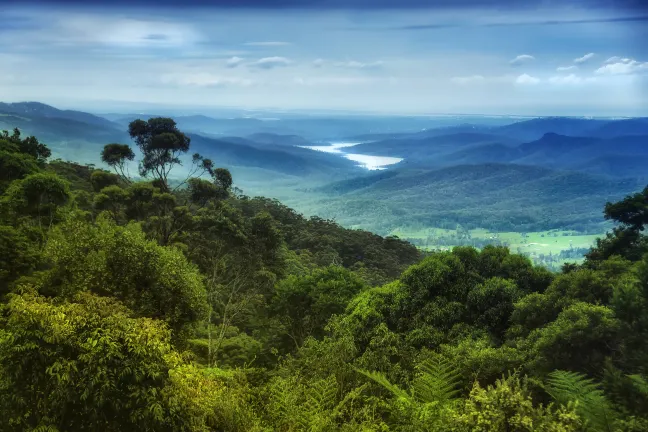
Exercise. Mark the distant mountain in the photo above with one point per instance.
(615, 165)
(536, 128)
(68, 138)
(281, 140)
(495, 196)
(425, 133)
(636, 126)
(428, 147)
(529, 130)
(284, 159)
(40, 110)
(573, 152)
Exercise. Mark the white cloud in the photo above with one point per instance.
(526, 79)
(521, 59)
(204, 79)
(623, 66)
(570, 79)
(268, 43)
(566, 68)
(583, 59)
(332, 80)
(234, 62)
(123, 32)
(352, 64)
(318, 63)
(270, 62)
(468, 79)
(615, 59)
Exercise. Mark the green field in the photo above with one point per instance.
(551, 248)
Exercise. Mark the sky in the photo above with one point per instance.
(525, 57)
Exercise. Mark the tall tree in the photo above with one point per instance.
(162, 144)
(117, 156)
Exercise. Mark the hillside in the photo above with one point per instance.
(429, 147)
(503, 197)
(230, 313)
(284, 159)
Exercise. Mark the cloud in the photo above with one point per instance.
(615, 59)
(521, 59)
(318, 63)
(521, 23)
(332, 80)
(352, 64)
(270, 62)
(204, 79)
(268, 43)
(468, 79)
(525, 79)
(566, 68)
(234, 62)
(121, 32)
(570, 79)
(583, 59)
(625, 66)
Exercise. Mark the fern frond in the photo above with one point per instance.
(591, 403)
(383, 381)
(319, 400)
(322, 395)
(640, 383)
(438, 381)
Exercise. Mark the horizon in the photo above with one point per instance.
(532, 58)
(212, 112)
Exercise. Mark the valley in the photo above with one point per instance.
(536, 185)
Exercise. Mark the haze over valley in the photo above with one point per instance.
(436, 181)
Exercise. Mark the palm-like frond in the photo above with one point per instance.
(319, 400)
(640, 383)
(383, 381)
(591, 403)
(437, 381)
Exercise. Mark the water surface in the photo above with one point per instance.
(369, 162)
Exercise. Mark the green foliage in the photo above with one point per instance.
(14, 166)
(29, 145)
(89, 365)
(289, 323)
(580, 338)
(589, 400)
(119, 261)
(102, 179)
(161, 144)
(508, 406)
(117, 157)
(305, 304)
(38, 196)
(435, 383)
(491, 304)
(18, 256)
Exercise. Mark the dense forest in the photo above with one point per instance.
(138, 303)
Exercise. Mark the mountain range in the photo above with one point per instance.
(498, 173)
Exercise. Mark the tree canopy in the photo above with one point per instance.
(128, 305)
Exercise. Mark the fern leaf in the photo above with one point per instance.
(591, 403)
(320, 399)
(640, 383)
(438, 381)
(383, 381)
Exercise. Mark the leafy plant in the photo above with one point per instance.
(590, 401)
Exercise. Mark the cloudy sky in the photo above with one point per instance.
(399, 56)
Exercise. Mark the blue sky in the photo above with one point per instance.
(527, 58)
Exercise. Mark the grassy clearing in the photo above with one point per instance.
(552, 248)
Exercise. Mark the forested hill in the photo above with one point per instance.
(148, 305)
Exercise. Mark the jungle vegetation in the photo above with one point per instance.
(134, 304)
